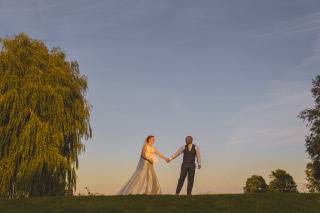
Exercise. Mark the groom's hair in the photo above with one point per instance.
(189, 139)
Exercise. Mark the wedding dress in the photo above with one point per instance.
(144, 180)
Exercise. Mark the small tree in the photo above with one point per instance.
(313, 176)
(281, 181)
(255, 184)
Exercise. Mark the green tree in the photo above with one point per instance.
(255, 184)
(313, 176)
(281, 181)
(44, 117)
(312, 117)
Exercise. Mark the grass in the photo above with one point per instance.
(267, 202)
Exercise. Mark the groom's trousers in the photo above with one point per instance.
(186, 170)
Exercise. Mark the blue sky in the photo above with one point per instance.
(234, 74)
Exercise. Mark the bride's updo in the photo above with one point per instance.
(148, 138)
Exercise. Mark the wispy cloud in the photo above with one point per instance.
(314, 57)
(309, 23)
(273, 120)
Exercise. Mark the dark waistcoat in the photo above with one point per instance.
(189, 157)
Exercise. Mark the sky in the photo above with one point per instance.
(233, 74)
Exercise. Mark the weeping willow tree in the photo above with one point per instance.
(44, 116)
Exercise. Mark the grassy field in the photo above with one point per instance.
(167, 203)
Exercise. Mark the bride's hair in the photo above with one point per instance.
(148, 138)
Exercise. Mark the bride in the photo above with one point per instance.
(144, 180)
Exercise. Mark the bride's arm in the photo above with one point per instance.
(160, 154)
(143, 154)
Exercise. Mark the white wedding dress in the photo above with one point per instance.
(144, 180)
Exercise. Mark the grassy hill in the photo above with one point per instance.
(268, 202)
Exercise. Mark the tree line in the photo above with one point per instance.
(281, 181)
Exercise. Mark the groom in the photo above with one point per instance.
(190, 153)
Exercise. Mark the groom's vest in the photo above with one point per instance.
(189, 157)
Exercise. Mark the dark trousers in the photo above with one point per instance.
(186, 170)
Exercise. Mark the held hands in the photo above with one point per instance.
(168, 160)
(199, 166)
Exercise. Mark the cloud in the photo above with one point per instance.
(314, 57)
(309, 23)
(273, 120)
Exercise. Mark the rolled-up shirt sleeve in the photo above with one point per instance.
(177, 153)
(198, 155)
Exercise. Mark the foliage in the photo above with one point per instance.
(255, 184)
(281, 181)
(313, 176)
(312, 117)
(43, 118)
